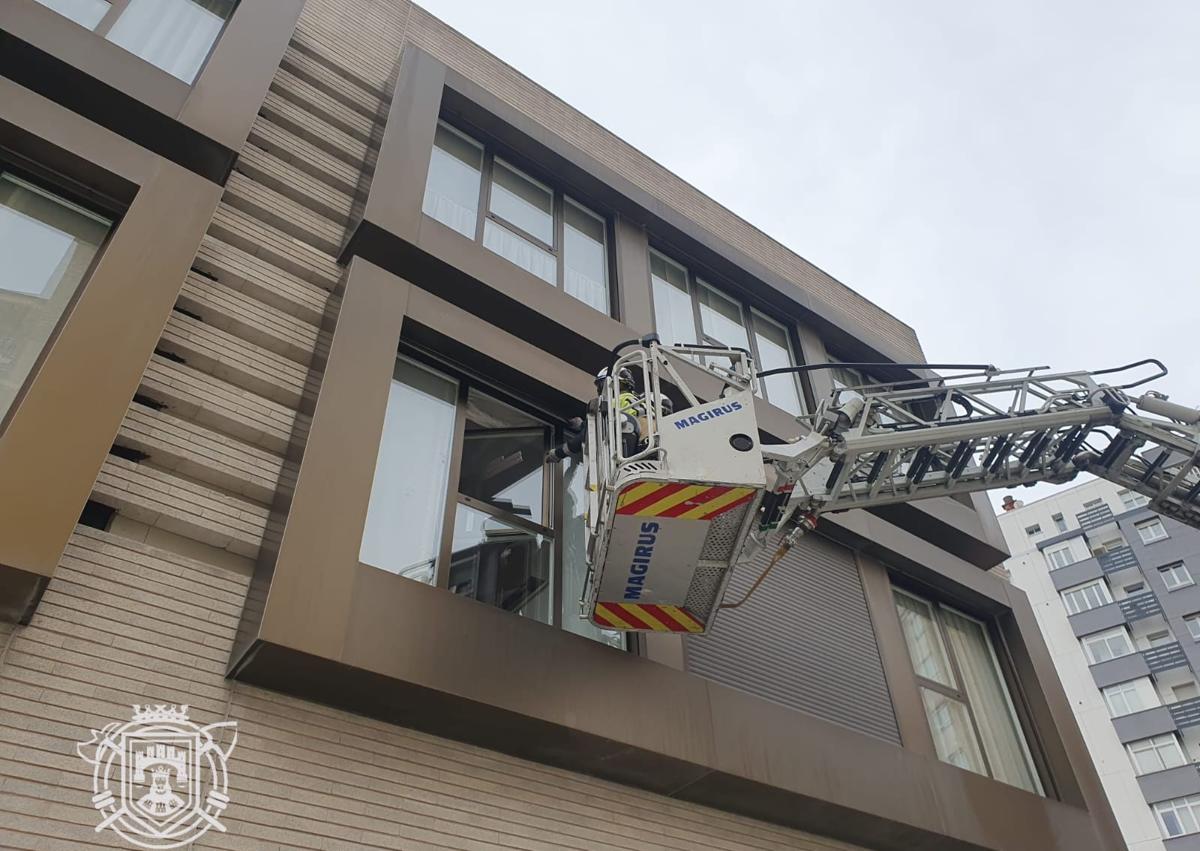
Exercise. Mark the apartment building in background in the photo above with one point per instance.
(294, 297)
(1114, 589)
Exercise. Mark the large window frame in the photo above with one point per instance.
(1157, 753)
(1099, 646)
(490, 155)
(751, 320)
(950, 684)
(1074, 597)
(117, 8)
(1066, 547)
(1178, 816)
(1155, 524)
(1176, 575)
(549, 525)
(87, 203)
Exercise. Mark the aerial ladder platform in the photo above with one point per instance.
(681, 489)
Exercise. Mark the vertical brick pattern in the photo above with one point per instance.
(124, 623)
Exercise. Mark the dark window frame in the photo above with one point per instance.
(560, 197)
(748, 313)
(553, 482)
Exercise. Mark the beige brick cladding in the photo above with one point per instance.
(123, 622)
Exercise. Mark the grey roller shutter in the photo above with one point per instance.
(804, 640)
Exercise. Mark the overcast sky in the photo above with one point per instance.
(1019, 181)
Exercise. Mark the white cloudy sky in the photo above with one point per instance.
(1018, 180)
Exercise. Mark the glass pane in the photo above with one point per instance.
(583, 257)
(952, 734)
(86, 13)
(522, 202)
(1170, 753)
(774, 353)
(503, 458)
(501, 565)
(47, 244)
(673, 318)
(404, 517)
(452, 187)
(721, 318)
(1003, 741)
(520, 251)
(924, 641)
(574, 570)
(175, 35)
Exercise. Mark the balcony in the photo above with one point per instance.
(1120, 670)
(1144, 724)
(1186, 713)
(1114, 561)
(1094, 620)
(1075, 574)
(1191, 842)
(1139, 606)
(1094, 518)
(1172, 783)
(1165, 657)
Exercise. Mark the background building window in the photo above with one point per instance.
(1179, 817)
(47, 245)
(1107, 645)
(1193, 625)
(970, 712)
(86, 13)
(1130, 697)
(1175, 576)
(526, 221)
(1132, 499)
(1034, 530)
(1082, 598)
(1061, 555)
(688, 311)
(1156, 754)
(175, 35)
(1059, 523)
(1151, 531)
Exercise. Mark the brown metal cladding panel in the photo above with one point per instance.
(803, 640)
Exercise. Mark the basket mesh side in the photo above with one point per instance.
(702, 593)
(722, 535)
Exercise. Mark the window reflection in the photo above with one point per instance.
(501, 564)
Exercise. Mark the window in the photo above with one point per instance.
(1135, 587)
(1093, 503)
(464, 500)
(1132, 499)
(1193, 625)
(1034, 530)
(1175, 576)
(1151, 531)
(1129, 697)
(86, 13)
(1156, 754)
(1059, 523)
(1185, 692)
(1107, 645)
(175, 35)
(1158, 639)
(688, 311)
(1061, 555)
(526, 221)
(452, 187)
(1178, 817)
(1082, 598)
(48, 244)
(967, 704)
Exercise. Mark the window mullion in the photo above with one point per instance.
(115, 10)
(446, 548)
(560, 239)
(485, 193)
(694, 293)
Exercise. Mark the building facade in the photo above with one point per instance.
(295, 296)
(1112, 585)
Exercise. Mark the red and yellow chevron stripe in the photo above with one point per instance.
(680, 499)
(645, 616)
